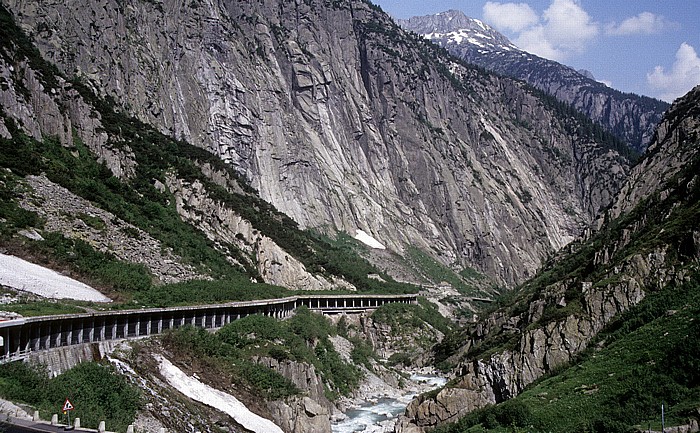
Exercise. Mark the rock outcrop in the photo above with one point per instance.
(341, 120)
(77, 218)
(647, 241)
(37, 101)
(306, 414)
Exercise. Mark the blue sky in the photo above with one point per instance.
(649, 47)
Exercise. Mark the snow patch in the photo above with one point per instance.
(368, 240)
(219, 400)
(21, 275)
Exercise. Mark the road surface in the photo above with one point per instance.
(29, 427)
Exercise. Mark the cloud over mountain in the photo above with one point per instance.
(683, 75)
(563, 29)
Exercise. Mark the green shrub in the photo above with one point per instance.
(402, 358)
(362, 353)
(233, 288)
(310, 326)
(97, 392)
(303, 338)
(252, 330)
(273, 385)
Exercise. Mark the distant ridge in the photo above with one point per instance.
(630, 117)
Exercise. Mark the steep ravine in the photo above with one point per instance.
(648, 241)
(343, 121)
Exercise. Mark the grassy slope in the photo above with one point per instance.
(649, 355)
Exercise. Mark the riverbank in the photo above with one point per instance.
(380, 403)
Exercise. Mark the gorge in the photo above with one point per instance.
(171, 154)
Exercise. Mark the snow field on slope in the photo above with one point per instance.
(219, 400)
(21, 275)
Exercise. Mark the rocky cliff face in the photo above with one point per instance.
(37, 101)
(630, 117)
(344, 122)
(649, 241)
(307, 414)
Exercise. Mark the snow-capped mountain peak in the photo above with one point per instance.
(453, 27)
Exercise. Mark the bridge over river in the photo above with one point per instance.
(21, 337)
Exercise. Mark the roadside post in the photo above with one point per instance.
(67, 407)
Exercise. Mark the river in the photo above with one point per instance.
(375, 416)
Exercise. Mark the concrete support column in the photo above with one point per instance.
(91, 331)
(37, 339)
(160, 324)
(81, 331)
(47, 343)
(69, 334)
(59, 334)
(6, 342)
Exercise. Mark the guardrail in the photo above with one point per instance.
(20, 337)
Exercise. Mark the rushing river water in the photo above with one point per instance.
(369, 416)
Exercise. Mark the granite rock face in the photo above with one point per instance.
(341, 120)
(630, 117)
(557, 321)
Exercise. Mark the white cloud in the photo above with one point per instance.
(534, 40)
(510, 16)
(645, 23)
(563, 29)
(568, 26)
(683, 76)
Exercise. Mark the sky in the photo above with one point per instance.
(647, 47)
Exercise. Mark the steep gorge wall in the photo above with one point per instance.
(344, 122)
(648, 240)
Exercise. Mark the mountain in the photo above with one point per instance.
(630, 117)
(630, 286)
(345, 122)
(171, 153)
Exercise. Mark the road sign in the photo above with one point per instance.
(67, 406)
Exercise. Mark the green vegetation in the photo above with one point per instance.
(102, 268)
(236, 288)
(340, 257)
(303, 338)
(97, 392)
(138, 201)
(648, 356)
(42, 308)
(437, 272)
(411, 325)
(401, 317)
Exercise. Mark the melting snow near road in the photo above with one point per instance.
(220, 400)
(24, 276)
